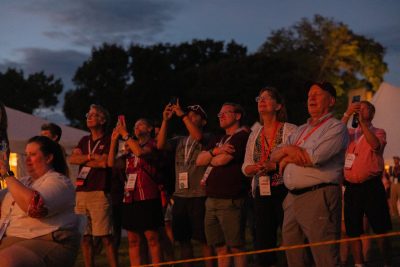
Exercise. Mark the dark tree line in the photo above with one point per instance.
(138, 81)
(28, 93)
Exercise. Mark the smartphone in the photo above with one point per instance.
(354, 123)
(356, 98)
(173, 100)
(121, 119)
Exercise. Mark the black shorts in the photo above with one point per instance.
(188, 219)
(367, 198)
(140, 216)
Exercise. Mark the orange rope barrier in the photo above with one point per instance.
(282, 248)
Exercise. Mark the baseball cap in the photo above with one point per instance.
(198, 110)
(326, 86)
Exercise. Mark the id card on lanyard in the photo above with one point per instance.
(350, 157)
(183, 177)
(264, 183)
(131, 177)
(219, 144)
(84, 172)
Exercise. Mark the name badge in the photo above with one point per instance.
(183, 180)
(203, 181)
(349, 160)
(130, 183)
(84, 173)
(265, 185)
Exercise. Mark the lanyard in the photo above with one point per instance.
(229, 137)
(209, 168)
(135, 162)
(6, 221)
(95, 146)
(187, 152)
(358, 140)
(302, 141)
(266, 152)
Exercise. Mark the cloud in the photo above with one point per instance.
(93, 22)
(62, 64)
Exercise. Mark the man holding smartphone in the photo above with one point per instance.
(365, 193)
(189, 196)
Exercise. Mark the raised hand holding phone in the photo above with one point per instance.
(354, 123)
(121, 126)
(121, 120)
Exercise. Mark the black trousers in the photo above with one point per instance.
(268, 218)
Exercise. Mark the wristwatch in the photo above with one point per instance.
(7, 174)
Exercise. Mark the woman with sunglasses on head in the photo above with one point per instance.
(141, 208)
(268, 189)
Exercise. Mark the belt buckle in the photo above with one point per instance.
(314, 187)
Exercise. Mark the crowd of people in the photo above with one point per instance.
(275, 178)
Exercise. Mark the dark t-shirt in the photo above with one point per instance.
(228, 181)
(98, 179)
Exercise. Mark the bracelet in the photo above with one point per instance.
(9, 173)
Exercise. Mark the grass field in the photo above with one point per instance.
(374, 260)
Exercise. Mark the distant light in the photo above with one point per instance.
(13, 159)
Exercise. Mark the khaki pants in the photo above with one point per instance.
(57, 249)
(315, 216)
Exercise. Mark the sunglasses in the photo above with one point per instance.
(196, 108)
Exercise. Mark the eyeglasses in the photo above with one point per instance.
(90, 115)
(263, 98)
(219, 115)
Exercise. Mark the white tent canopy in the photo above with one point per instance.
(22, 126)
(387, 104)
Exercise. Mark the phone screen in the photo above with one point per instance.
(121, 119)
(173, 100)
(356, 98)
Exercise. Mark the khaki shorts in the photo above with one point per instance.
(223, 222)
(96, 205)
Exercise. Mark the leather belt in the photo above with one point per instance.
(311, 188)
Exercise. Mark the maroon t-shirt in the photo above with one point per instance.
(98, 179)
(228, 181)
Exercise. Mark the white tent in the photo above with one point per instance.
(22, 126)
(387, 104)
